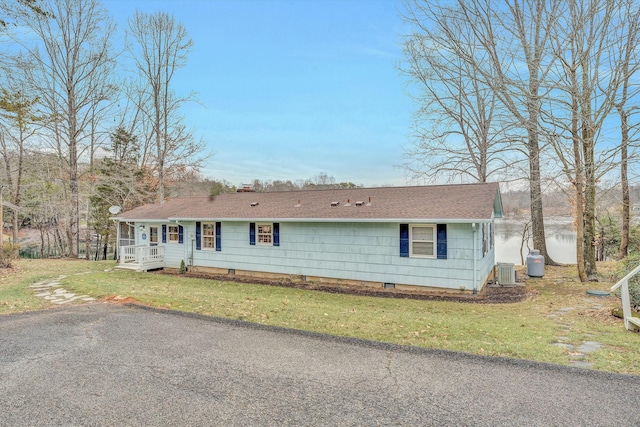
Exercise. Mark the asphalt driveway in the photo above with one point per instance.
(100, 364)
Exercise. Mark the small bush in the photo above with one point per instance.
(8, 253)
(183, 267)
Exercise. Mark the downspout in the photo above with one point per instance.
(188, 256)
(475, 259)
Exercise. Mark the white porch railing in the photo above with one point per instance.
(142, 257)
(630, 322)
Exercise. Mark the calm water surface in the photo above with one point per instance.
(559, 232)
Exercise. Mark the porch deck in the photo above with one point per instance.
(141, 257)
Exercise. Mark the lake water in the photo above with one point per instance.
(560, 235)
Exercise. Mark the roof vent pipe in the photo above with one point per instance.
(369, 204)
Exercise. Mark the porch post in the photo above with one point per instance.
(117, 254)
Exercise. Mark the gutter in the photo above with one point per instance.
(343, 220)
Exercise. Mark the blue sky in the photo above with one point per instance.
(290, 89)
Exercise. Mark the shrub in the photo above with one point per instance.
(8, 253)
(183, 267)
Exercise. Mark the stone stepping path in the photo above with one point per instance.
(53, 291)
(579, 353)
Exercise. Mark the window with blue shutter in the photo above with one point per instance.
(276, 234)
(180, 234)
(218, 236)
(198, 235)
(252, 233)
(442, 241)
(164, 233)
(404, 240)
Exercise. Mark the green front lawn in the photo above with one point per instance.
(558, 310)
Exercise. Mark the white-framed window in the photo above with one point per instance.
(208, 235)
(422, 240)
(487, 238)
(153, 236)
(172, 234)
(264, 233)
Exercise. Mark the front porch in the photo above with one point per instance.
(141, 257)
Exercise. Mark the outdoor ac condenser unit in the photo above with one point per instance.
(506, 273)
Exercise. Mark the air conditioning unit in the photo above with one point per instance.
(506, 273)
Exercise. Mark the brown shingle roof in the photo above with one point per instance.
(446, 202)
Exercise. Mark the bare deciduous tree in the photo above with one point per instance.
(461, 129)
(18, 123)
(590, 46)
(514, 40)
(71, 69)
(160, 49)
(628, 41)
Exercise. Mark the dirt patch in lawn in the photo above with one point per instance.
(490, 294)
(119, 299)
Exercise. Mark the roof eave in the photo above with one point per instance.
(367, 220)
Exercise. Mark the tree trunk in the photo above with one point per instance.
(579, 187)
(535, 190)
(74, 217)
(624, 181)
(590, 230)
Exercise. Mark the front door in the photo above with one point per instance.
(153, 236)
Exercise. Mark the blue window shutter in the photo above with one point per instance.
(252, 233)
(218, 236)
(276, 234)
(404, 240)
(442, 241)
(180, 234)
(164, 233)
(198, 235)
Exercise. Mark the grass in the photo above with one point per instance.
(525, 330)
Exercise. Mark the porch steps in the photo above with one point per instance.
(630, 322)
(138, 267)
(134, 267)
(634, 320)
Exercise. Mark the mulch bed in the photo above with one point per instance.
(489, 295)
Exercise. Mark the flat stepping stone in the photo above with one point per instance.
(64, 301)
(589, 346)
(45, 290)
(45, 285)
(564, 345)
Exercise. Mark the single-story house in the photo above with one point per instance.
(439, 236)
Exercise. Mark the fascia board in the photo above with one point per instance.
(344, 220)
